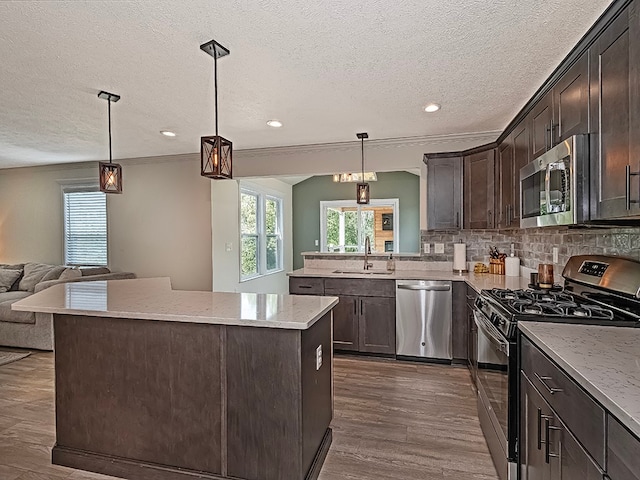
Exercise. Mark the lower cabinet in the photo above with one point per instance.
(623, 452)
(364, 319)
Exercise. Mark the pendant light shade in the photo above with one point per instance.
(110, 174)
(362, 188)
(216, 152)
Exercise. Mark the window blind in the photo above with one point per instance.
(85, 228)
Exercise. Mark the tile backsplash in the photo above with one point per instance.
(534, 246)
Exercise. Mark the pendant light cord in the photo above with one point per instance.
(215, 85)
(362, 139)
(109, 110)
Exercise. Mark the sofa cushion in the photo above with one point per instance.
(15, 266)
(12, 316)
(89, 271)
(8, 278)
(35, 272)
(70, 273)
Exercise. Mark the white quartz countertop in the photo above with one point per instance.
(478, 281)
(153, 299)
(605, 361)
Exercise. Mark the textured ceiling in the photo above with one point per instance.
(326, 69)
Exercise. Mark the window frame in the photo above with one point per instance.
(261, 234)
(325, 205)
(82, 187)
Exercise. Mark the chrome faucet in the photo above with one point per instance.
(367, 251)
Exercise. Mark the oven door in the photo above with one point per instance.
(494, 398)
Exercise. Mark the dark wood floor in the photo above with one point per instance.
(392, 420)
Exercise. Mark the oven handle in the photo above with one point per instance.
(490, 332)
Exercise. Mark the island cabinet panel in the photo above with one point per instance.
(141, 390)
(615, 118)
(479, 190)
(156, 400)
(623, 452)
(268, 372)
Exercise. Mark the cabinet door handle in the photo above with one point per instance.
(305, 286)
(627, 184)
(489, 222)
(361, 308)
(539, 428)
(355, 307)
(547, 439)
(549, 389)
(457, 219)
(546, 138)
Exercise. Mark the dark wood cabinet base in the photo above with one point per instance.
(124, 468)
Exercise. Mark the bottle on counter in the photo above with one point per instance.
(391, 264)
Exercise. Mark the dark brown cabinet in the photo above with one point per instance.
(460, 331)
(541, 125)
(615, 118)
(444, 192)
(472, 346)
(506, 179)
(346, 324)
(623, 452)
(571, 102)
(365, 318)
(479, 189)
(521, 156)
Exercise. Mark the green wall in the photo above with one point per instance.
(306, 208)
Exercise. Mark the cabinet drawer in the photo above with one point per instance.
(360, 287)
(582, 415)
(306, 285)
(623, 452)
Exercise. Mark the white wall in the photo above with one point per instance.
(159, 226)
(225, 217)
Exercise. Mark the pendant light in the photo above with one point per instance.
(362, 188)
(215, 151)
(110, 173)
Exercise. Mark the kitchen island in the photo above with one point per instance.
(154, 383)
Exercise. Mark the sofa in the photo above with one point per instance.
(18, 281)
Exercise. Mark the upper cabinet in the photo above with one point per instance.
(541, 125)
(506, 179)
(615, 118)
(571, 102)
(521, 141)
(479, 190)
(444, 192)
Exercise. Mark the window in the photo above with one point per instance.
(344, 225)
(260, 233)
(85, 226)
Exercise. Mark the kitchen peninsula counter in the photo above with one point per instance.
(477, 281)
(154, 383)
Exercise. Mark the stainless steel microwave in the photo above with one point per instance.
(554, 188)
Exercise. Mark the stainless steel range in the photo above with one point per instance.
(598, 290)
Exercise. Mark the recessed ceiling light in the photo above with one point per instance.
(432, 107)
(274, 123)
(167, 133)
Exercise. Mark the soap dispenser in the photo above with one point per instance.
(391, 264)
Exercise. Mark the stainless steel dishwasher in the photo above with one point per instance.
(423, 319)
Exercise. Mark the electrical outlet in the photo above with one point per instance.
(555, 254)
(318, 357)
(438, 247)
(317, 243)
(426, 247)
(228, 246)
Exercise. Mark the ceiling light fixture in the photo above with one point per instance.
(432, 107)
(274, 123)
(352, 177)
(215, 151)
(167, 133)
(362, 189)
(110, 173)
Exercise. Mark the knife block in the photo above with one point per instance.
(496, 266)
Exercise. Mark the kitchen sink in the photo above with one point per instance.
(362, 272)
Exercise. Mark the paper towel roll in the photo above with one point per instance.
(459, 257)
(512, 267)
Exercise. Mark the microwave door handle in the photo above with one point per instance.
(547, 188)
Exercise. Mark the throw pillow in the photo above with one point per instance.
(54, 273)
(34, 273)
(70, 273)
(7, 278)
